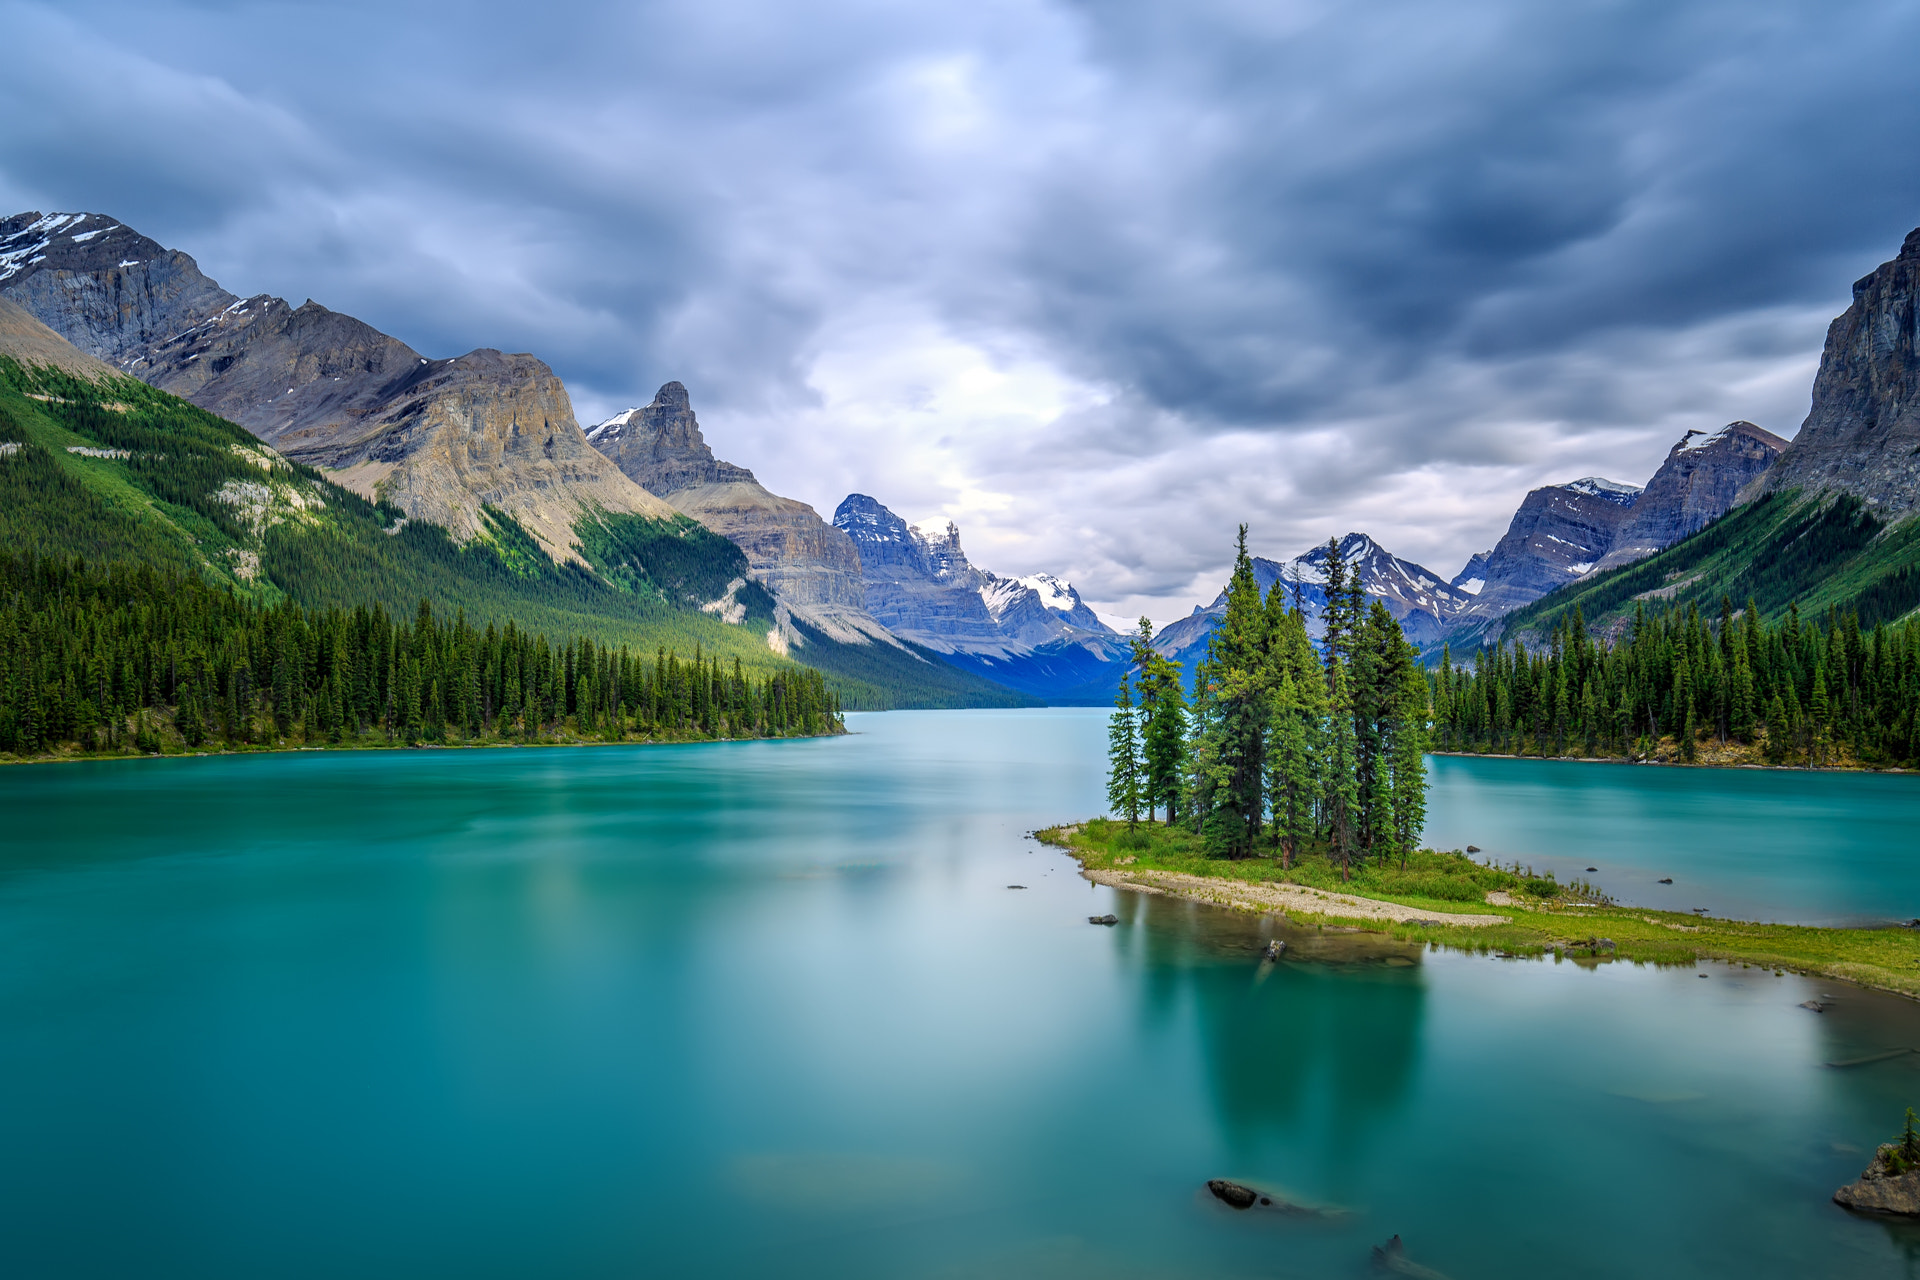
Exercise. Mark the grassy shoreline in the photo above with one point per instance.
(1539, 917)
(173, 748)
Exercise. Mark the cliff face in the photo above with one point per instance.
(102, 286)
(1697, 484)
(482, 429)
(32, 343)
(1559, 534)
(1863, 434)
(810, 566)
(438, 438)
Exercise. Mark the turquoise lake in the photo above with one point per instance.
(770, 1009)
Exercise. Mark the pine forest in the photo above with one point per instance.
(1678, 688)
(134, 658)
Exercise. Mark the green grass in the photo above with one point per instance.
(1541, 918)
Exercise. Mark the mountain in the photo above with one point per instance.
(1696, 485)
(1419, 599)
(1473, 579)
(1034, 634)
(378, 474)
(1833, 523)
(1559, 533)
(439, 439)
(811, 567)
(1862, 436)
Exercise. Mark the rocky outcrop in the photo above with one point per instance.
(1889, 1186)
(31, 343)
(660, 448)
(1862, 436)
(1697, 484)
(1033, 633)
(441, 439)
(483, 429)
(1559, 534)
(811, 567)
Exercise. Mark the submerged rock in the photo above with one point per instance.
(1106, 919)
(1887, 1187)
(1232, 1193)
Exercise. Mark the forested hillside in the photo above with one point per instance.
(1784, 549)
(1737, 690)
(115, 471)
(130, 656)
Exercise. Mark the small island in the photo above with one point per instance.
(1891, 1184)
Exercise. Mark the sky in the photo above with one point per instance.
(1098, 282)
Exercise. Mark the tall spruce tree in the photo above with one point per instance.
(1123, 758)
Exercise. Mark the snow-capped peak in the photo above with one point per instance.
(22, 248)
(1697, 440)
(1599, 487)
(612, 427)
(1054, 594)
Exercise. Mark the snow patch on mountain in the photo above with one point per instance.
(1600, 487)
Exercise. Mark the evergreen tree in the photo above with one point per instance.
(1123, 758)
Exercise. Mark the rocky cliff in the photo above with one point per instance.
(441, 439)
(31, 343)
(1862, 435)
(1032, 633)
(1558, 535)
(809, 565)
(1696, 485)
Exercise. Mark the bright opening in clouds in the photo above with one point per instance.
(1098, 282)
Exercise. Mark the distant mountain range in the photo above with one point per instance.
(637, 514)
(1033, 634)
(483, 447)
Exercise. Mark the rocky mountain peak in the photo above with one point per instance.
(1862, 435)
(660, 446)
(1699, 482)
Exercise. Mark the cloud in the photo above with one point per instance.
(1099, 281)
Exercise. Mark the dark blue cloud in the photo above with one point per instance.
(1351, 255)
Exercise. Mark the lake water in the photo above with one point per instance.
(765, 1009)
(1783, 845)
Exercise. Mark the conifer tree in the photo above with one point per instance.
(1123, 758)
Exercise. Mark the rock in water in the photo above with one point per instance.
(1107, 919)
(1881, 1190)
(1275, 949)
(1233, 1193)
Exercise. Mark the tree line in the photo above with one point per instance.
(1797, 692)
(1284, 747)
(132, 656)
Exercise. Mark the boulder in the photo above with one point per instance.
(1884, 1188)
(1233, 1193)
(1106, 919)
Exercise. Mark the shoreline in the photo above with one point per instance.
(1671, 764)
(104, 757)
(1883, 958)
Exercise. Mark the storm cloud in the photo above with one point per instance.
(1097, 281)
